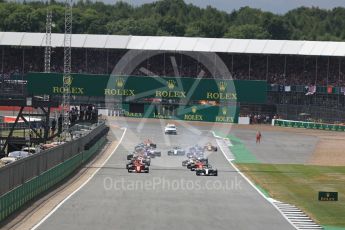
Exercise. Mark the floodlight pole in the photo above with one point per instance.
(48, 47)
(67, 79)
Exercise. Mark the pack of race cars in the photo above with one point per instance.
(139, 160)
(198, 162)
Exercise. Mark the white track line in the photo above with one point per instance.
(251, 183)
(81, 186)
(296, 216)
(286, 210)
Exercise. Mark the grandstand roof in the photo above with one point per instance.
(250, 46)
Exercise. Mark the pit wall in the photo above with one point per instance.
(308, 125)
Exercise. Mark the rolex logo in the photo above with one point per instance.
(222, 86)
(194, 109)
(120, 83)
(68, 80)
(224, 111)
(171, 84)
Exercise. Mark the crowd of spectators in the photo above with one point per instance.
(172, 65)
(77, 114)
(276, 69)
(287, 70)
(83, 113)
(260, 118)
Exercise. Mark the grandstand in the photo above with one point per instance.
(304, 77)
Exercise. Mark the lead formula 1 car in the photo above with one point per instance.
(138, 167)
(206, 170)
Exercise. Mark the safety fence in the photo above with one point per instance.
(16, 197)
(308, 125)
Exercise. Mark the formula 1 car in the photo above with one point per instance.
(133, 161)
(190, 155)
(196, 148)
(195, 151)
(148, 148)
(197, 164)
(197, 155)
(139, 147)
(153, 153)
(210, 147)
(188, 161)
(130, 156)
(149, 143)
(139, 154)
(177, 151)
(138, 167)
(133, 155)
(206, 170)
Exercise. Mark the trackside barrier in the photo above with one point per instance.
(18, 172)
(16, 198)
(308, 125)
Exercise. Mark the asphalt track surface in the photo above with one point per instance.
(279, 147)
(170, 196)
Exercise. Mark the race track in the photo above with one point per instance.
(170, 196)
(279, 147)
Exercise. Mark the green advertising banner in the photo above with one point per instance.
(309, 125)
(204, 113)
(135, 87)
(328, 196)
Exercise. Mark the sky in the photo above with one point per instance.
(275, 6)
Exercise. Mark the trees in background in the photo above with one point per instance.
(176, 18)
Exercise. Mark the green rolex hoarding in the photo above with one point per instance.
(204, 113)
(135, 87)
(328, 196)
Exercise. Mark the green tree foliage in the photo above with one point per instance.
(278, 28)
(176, 18)
(247, 32)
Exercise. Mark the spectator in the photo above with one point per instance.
(53, 128)
(60, 121)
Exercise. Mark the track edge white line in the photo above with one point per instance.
(251, 183)
(81, 186)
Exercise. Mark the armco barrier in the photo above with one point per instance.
(16, 198)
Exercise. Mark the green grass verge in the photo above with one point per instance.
(326, 227)
(299, 185)
(332, 228)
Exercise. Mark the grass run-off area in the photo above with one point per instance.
(299, 185)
